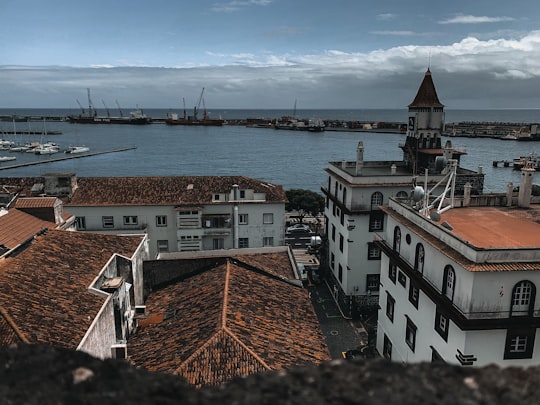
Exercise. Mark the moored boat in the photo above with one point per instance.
(532, 160)
(77, 149)
(7, 158)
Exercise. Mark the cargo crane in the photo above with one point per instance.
(119, 109)
(198, 106)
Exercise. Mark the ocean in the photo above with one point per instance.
(293, 159)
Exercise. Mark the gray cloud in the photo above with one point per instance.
(472, 73)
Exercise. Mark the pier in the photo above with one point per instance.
(505, 163)
(69, 156)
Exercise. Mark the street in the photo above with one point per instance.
(341, 334)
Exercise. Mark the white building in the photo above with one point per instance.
(187, 213)
(459, 285)
(356, 189)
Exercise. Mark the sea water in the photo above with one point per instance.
(293, 159)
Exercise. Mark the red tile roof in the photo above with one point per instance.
(44, 289)
(36, 202)
(427, 95)
(227, 321)
(17, 227)
(165, 190)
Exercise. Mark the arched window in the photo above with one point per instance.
(402, 195)
(335, 189)
(376, 199)
(344, 196)
(449, 282)
(397, 239)
(523, 296)
(419, 258)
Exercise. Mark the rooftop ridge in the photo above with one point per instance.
(13, 325)
(249, 350)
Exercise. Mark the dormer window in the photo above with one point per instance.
(216, 197)
(242, 193)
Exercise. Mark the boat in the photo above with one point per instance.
(174, 119)
(509, 137)
(136, 117)
(532, 160)
(46, 148)
(7, 158)
(293, 124)
(77, 149)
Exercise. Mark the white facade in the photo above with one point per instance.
(443, 298)
(222, 223)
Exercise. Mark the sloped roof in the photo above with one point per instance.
(44, 289)
(427, 95)
(17, 227)
(228, 321)
(37, 202)
(165, 190)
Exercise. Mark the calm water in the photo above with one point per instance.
(292, 159)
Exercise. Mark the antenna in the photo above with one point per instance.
(450, 187)
(429, 59)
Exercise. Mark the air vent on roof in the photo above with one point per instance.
(37, 188)
(112, 283)
(447, 225)
(189, 186)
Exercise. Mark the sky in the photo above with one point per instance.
(264, 54)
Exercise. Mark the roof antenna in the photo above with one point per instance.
(429, 60)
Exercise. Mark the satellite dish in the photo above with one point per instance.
(440, 163)
(435, 216)
(418, 194)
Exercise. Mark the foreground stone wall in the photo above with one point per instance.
(45, 375)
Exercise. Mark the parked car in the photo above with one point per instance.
(299, 228)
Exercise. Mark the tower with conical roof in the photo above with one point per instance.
(424, 128)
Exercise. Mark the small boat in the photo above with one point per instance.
(509, 137)
(46, 149)
(77, 149)
(7, 158)
(174, 119)
(532, 160)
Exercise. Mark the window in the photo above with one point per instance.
(242, 193)
(419, 258)
(372, 282)
(449, 282)
(374, 252)
(163, 245)
(268, 241)
(218, 243)
(519, 344)
(243, 219)
(161, 220)
(402, 195)
(243, 243)
(131, 220)
(392, 272)
(344, 195)
(341, 243)
(80, 223)
(216, 197)
(397, 239)
(108, 222)
(332, 260)
(435, 356)
(333, 232)
(376, 200)
(441, 325)
(387, 348)
(376, 221)
(390, 301)
(410, 334)
(402, 278)
(340, 273)
(268, 218)
(523, 296)
(414, 294)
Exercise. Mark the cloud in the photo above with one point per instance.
(234, 5)
(471, 19)
(481, 73)
(386, 17)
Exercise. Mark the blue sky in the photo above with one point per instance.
(268, 53)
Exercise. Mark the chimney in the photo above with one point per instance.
(393, 169)
(480, 169)
(359, 158)
(467, 195)
(525, 186)
(509, 194)
(236, 216)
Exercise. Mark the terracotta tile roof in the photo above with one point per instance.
(227, 321)
(427, 95)
(44, 289)
(17, 227)
(164, 190)
(9, 333)
(458, 257)
(36, 202)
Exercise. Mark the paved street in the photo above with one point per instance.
(340, 333)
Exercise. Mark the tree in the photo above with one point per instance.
(304, 201)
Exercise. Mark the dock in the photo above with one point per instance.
(69, 156)
(505, 163)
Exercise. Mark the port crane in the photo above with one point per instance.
(198, 106)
